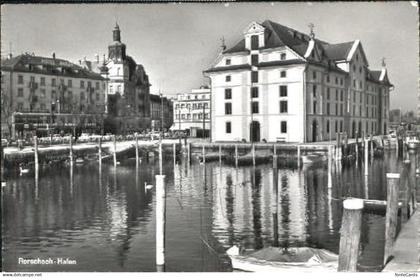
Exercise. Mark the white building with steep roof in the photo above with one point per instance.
(278, 84)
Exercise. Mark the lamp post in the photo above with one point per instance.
(161, 113)
(204, 122)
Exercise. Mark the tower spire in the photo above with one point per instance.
(116, 33)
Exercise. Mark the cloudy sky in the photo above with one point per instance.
(176, 42)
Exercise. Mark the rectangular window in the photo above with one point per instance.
(43, 108)
(42, 81)
(342, 95)
(20, 79)
(283, 106)
(314, 75)
(97, 85)
(254, 59)
(228, 108)
(228, 61)
(336, 109)
(20, 106)
(228, 127)
(69, 83)
(255, 107)
(283, 91)
(328, 78)
(314, 91)
(254, 92)
(328, 93)
(53, 96)
(283, 127)
(32, 79)
(82, 85)
(254, 76)
(89, 84)
(20, 92)
(341, 126)
(282, 56)
(336, 95)
(283, 74)
(336, 126)
(228, 93)
(336, 80)
(97, 96)
(314, 107)
(43, 93)
(228, 78)
(53, 82)
(341, 111)
(254, 42)
(328, 108)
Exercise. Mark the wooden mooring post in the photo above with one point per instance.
(351, 227)
(330, 166)
(204, 154)
(274, 156)
(160, 219)
(100, 151)
(220, 153)
(115, 151)
(36, 156)
(236, 155)
(174, 151)
(189, 152)
(391, 216)
(298, 156)
(356, 150)
(71, 151)
(366, 158)
(137, 150)
(337, 152)
(253, 154)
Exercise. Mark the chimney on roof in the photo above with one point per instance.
(9, 56)
(223, 46)
(311, 33)
(383, 62)
(53, 55)
(80, 62)
(97, 58)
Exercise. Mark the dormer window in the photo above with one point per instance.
(228, 78)
(282, 56)
(254, 42)
(228, 61)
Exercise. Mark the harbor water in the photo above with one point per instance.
(104, 218)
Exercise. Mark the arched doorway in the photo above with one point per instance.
(254, 131)
(314, 130)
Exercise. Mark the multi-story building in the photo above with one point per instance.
(279, 84)
(192, 112)
(48, 95)
(128, 101)
(159, 105)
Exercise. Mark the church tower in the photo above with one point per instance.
(116, 50)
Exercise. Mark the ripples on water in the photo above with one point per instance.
(105, 219)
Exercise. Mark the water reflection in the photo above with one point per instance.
(104, 218)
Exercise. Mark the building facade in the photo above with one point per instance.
(127, 88)
(192, 112)
(278, 84)
(161, 109)
(49, 95)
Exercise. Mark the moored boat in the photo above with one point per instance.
(298, 259)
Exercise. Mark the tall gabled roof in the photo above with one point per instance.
(338, 51)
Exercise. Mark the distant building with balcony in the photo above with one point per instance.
(158, 105)
(192, 112)
(127, 88)
(49, 95)
(278, 84)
